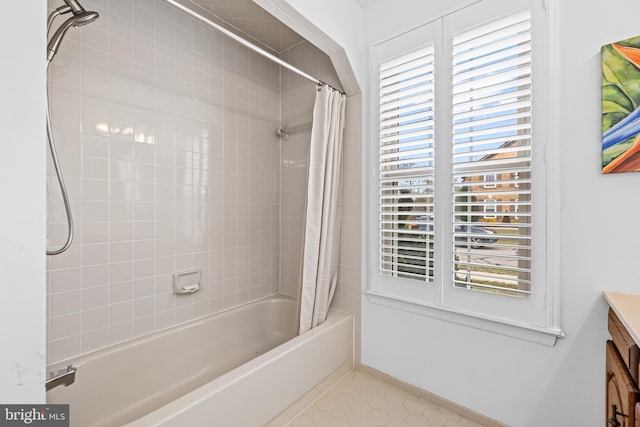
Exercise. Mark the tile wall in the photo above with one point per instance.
(166, 134)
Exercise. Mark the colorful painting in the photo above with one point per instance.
(621, 106)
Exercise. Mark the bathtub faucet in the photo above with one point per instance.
(64, 376)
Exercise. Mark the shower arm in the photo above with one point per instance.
(69, 6)
(53, 15)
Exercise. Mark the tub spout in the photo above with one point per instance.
(64, 376)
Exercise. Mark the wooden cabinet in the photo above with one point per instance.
(627, 347)
(621, 393)
(622, 360)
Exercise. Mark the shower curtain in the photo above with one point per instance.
(323, 217)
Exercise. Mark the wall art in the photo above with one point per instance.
(621, 106)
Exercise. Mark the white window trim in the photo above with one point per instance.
(405, 301)
(490, 183)
(490, 214)
(544, 336)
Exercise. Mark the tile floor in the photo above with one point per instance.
(362, 400)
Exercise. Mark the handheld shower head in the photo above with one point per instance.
(83, 18)
(78, 19)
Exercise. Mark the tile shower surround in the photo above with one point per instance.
(166, 134)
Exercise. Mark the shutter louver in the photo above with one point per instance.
(406, 165)
(492, 157)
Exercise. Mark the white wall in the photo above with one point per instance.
(385, 19)
(22, 189)
(517, 382)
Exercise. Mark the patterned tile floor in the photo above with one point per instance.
(361, 400)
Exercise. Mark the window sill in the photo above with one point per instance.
(544, 336)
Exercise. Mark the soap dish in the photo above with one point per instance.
(186, 282)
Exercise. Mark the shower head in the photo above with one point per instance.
(69, 6)
(83, 18)
(79, 18)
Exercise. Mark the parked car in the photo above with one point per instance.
(480, 236)
(422, 222)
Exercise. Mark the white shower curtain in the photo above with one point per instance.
(324, 216)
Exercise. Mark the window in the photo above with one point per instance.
(490, 180)
(515, 177)
(406, 165)
(459, 168)
(492, 136)
(489, 209)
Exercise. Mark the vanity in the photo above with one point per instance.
(623, 360)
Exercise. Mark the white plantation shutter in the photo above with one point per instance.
(457, 173)
(492, 137)
(406, 165)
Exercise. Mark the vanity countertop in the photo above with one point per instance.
(627, 308)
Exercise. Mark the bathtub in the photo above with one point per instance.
(241, 367)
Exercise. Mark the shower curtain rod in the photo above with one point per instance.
(246, 43)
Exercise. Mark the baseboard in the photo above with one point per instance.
(440, 401)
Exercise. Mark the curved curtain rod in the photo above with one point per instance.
(246, 43)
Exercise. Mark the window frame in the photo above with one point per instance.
(491, 182)
(428, 300)
(491, 213)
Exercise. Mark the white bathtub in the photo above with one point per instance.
(242, 367)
